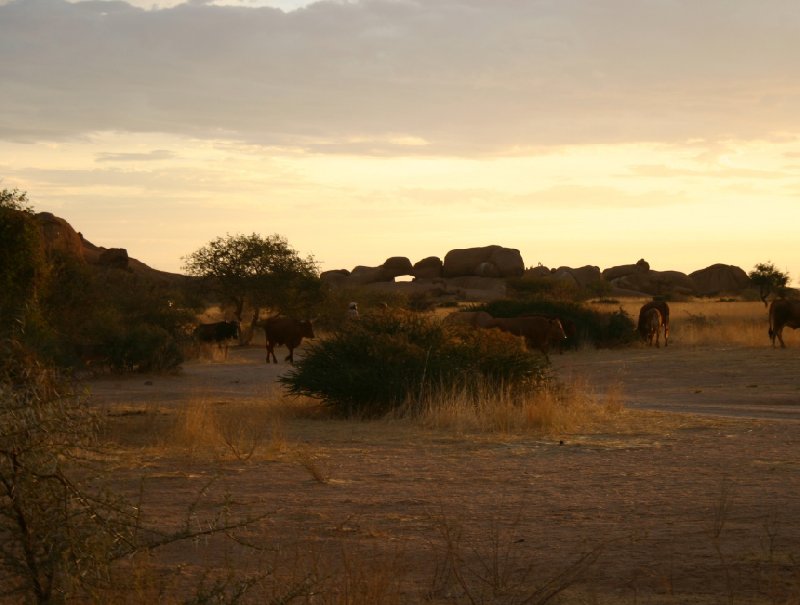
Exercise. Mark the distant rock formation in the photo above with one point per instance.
(481, 273)
(471, 273)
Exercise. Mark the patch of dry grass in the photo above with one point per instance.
(556, 409)
(713, 322)
(231, 430)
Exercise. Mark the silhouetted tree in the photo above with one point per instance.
(260, 272)
(768, 279)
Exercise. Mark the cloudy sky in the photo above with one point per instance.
(578, 131)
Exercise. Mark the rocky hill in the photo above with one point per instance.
(59, 236)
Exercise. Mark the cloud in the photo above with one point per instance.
(464, 76)
(149, 156)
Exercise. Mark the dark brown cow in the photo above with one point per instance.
(219, 332)
(539, 332)
(783, 314)
(286, 331)
(663, 309)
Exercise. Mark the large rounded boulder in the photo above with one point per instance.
(612, 273)
(580, 277)
(428, 268)
(487, 261)
(719, 279)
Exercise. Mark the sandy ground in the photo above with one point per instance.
(701, 506)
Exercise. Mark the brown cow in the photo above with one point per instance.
(663, 309)
(285, 331)
(783, 314)
(539, 332)
(650, 323)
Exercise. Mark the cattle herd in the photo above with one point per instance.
(540, 332)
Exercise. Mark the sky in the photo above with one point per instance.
(579, 132)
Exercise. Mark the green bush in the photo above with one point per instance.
(110, 319)
(583, 325)
(391, 359)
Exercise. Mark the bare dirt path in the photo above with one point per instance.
(754, 382)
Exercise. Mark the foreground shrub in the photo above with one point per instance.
(64, 536)
(52, 532)
(391, 360)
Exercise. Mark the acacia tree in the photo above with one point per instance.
(768, 279)
(256, 272)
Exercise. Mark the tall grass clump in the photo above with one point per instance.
(238, 431)
(556, 408)
(392, 360)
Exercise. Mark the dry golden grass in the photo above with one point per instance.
(240, 430)
(710, 322)
(557, 409)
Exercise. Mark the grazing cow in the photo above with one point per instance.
(663, 310)
(650, 326)
(474, 319)
(783, 314)
(539, 332)
(286, 331)
(219, 332)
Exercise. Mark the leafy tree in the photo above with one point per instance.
(768, 279)
(256, 272)
(15, 199)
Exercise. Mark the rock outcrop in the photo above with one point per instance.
(428, 268)
(488, 261)
(362, 275)
(59, 236)
(612, 273)
(582, 277)
(114, 258)
(719, 279)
